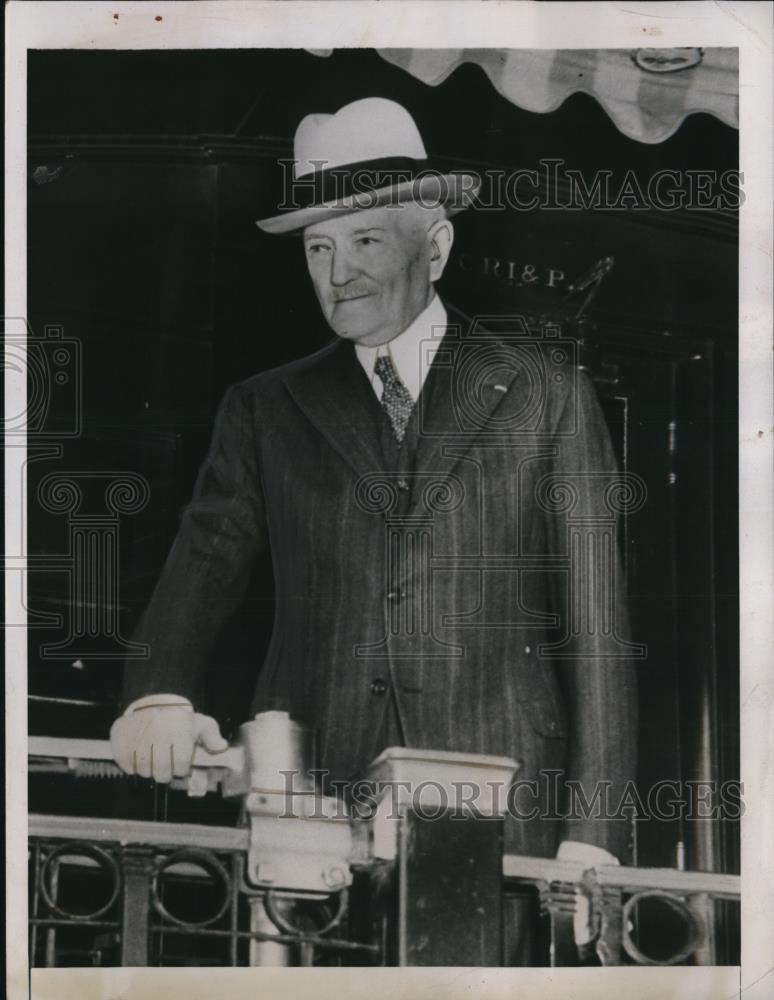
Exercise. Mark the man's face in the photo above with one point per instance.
(371, 271)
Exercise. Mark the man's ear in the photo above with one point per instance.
(441, 237)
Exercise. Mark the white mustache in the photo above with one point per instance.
(350, 292)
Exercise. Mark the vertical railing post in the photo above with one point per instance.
(558, 902)
(265, 953)
(51, 932)
(610, 942)
(137, 865)
(702, 907)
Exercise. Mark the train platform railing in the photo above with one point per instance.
(302, 882)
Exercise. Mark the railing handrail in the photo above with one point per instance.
(624, 877)
(535, 869)
(134, 831)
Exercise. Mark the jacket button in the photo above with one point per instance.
(393, 596)
(378, 686)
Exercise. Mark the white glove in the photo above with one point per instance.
(156, 737)
(591, 856)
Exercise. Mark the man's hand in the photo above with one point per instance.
(591, 856)
(156, 737)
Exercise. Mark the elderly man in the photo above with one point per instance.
(396, 477)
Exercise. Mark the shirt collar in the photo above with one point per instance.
(413, 350)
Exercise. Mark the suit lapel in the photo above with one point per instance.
(333, 392)
(470, 379)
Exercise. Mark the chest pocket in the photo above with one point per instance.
(546, 718)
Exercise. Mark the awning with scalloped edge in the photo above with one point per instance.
(648, 93)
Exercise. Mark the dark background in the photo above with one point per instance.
(146, 173)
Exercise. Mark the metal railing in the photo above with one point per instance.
(640, 916)
(116, 892)
(304, 883)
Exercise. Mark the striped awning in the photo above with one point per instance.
(648, 93)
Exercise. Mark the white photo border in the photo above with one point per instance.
(438, 24)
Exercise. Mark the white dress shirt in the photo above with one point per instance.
(412, 351)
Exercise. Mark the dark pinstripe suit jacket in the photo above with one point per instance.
(441, 577)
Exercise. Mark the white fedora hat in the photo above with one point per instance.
(369, 153)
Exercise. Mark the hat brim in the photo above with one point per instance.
(455, 192)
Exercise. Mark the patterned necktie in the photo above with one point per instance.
(396, 399)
